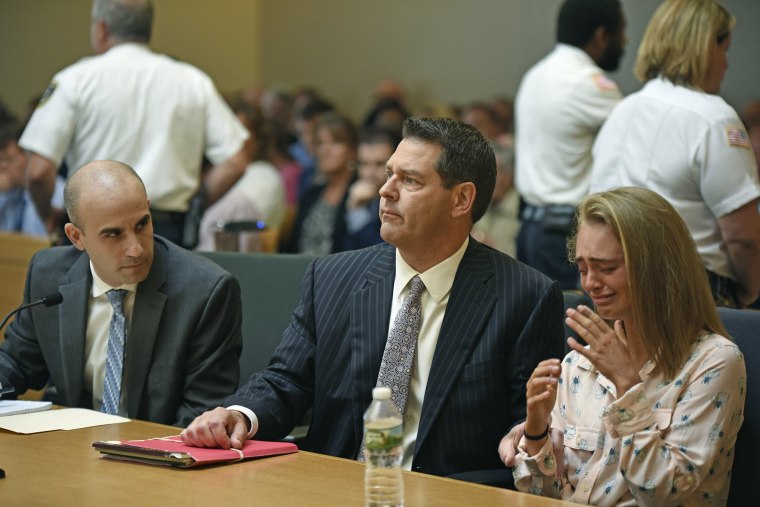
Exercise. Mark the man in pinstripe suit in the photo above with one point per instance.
(486, 321)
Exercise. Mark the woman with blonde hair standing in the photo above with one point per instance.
(650, 409)
(678, 137)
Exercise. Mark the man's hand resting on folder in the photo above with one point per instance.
(217, 428)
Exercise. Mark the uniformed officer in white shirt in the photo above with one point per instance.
(560, 106)
(147, 110)
(678, 137)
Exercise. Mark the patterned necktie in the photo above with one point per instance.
(117, 338)
(396, 366)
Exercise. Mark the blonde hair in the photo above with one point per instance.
(677, 41)
(671, 302)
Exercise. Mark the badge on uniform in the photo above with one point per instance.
(47, 94)
(738, 137)
(604, 83)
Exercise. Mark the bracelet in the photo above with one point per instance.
(537, 437)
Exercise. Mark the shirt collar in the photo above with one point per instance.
(128, 46)
(438, 280)
(99, 287)
(575, 50)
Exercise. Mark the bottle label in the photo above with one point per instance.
(383, 438)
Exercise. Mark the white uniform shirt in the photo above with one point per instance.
(99, 316)
(560, 106)
(688, 146)
(141, 108)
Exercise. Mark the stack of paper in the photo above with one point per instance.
(14, 407)
(62, 419)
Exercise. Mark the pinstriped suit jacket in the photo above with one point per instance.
(501, 320)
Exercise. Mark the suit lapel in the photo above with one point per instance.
(368, 329)
(470, 305)
(72, 325)
(146, 318)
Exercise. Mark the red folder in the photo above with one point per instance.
(170, 451)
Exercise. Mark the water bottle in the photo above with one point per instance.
(383, 437)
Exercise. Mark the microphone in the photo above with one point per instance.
(49, 300)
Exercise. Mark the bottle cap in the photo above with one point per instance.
(381, 393)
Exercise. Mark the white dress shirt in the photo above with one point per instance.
(96, 346)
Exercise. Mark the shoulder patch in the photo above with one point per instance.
(604, 83)
(738, 137)
(47, 94)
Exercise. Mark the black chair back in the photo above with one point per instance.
(744, 328)
(270, 287)
(573, 298)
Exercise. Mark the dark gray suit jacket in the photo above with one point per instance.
(183, 345)
(501, 320)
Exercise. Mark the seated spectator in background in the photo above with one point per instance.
(483, 118)
(278, 153)
(175, 340)
(651, 408)
(387, 113)
(504, 109)
(376, 145)
(499, 226)
(277, 107)
(320, 225)
(698, 155)
(17, 211)
(259, 195)
(389, 89)
(751, 118)
(305, 116)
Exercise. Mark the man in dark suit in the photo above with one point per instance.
(182, 312)
(487, 320)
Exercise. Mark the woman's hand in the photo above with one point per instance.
(541, 393)
(608, 350)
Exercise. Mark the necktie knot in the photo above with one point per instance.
(116, 298)
(417, 286)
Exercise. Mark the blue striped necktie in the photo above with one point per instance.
(117, 338)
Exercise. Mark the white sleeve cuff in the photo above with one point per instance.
(251, 418)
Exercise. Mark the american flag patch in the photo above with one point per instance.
(737, 136)
(604, 83)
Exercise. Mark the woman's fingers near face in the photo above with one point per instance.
(590, 319)
(582, 330)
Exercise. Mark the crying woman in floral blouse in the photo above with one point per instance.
(650, 409)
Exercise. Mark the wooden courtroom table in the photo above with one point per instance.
(61, 468)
